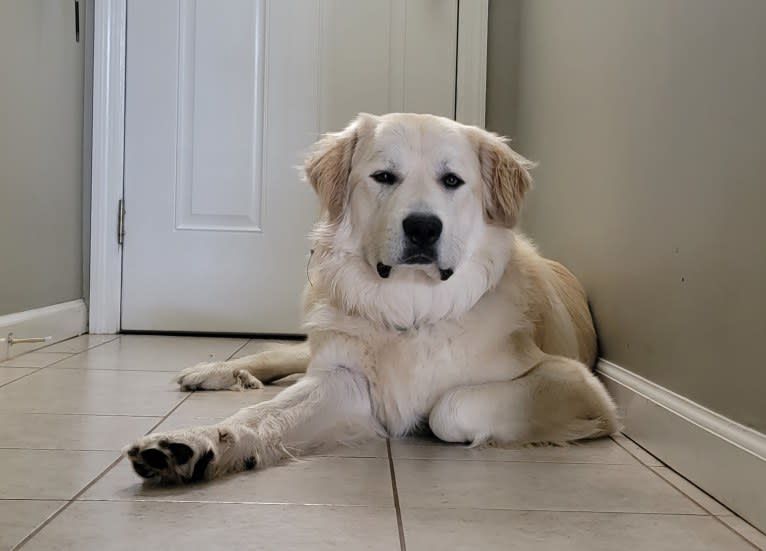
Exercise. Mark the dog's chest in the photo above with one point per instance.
(413, 368)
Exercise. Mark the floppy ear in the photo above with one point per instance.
(328, 166)
(506, 178)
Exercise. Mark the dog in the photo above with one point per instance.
(424, 308)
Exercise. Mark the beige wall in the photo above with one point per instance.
(649, 122)
(41, 117)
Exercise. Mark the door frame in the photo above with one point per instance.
(108, 156)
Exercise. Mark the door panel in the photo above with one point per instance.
(218, 185)
(382, 57)
(222, 101)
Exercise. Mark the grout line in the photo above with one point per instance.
(679, 490)
(247, 341)
(119, 370)
(32, 499)
(24, 448)
(397, 508)
(634, 455)
(10, 412)
(256, 503)
(655, 473)
(37, 370)
(758, 531)
(526, 510)
(66, 505)
(71, 355)
(20, 376)
(547, 462)
(742, 537)
(43, 350)
(150, 499)
(90, 484)
(654, 469)
(707, 513)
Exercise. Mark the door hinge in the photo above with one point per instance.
(77, 20)
(121, 222)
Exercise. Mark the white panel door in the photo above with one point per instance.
(223, 98)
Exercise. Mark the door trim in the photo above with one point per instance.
(108, 161)
(110, 26)
(471, 78)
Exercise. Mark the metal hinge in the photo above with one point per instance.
(121, 222)
(76, 20)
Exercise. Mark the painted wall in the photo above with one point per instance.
(649, 123)
(41, 121)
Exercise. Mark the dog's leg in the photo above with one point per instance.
(557, 401)
(325, 407)
(247, 372)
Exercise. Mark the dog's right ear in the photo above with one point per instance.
(328, 166)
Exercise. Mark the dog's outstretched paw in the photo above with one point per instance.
(216, 376)
(182, 456)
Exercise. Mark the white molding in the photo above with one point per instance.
(110, 25)
(60, 321)
(471, 83)
(724, 458)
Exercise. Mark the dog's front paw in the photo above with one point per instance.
(186, 455)
(216, 376)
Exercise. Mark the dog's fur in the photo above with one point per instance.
(479, 337)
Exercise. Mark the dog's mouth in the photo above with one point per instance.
(384, 270)
(419, 258)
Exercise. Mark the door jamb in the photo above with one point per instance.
(109, 32)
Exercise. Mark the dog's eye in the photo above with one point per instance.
(452, 181)
(384, 177)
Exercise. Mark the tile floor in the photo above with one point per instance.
(66, 410)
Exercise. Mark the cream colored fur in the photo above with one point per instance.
(500, 352)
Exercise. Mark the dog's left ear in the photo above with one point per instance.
(328, 165)
(506, 178)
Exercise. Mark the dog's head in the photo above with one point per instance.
(417, 190)
(409, 202)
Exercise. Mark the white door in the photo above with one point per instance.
(223, 98)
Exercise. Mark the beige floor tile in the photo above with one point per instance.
(219, 404)
(79, 344)
(91, 392)
(545, 486)
(470, 529)
(595, 451)
(703, 500)
(255, 346)
(48, 474)
(71, 432)
(753, 535)
(18, 518)
(370, 448)
(319, 480)
(182, 526)
(35, 359)
(640, 453)
(154, 353)
(8, 374)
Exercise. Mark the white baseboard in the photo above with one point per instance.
(60, 321)
(724, 458)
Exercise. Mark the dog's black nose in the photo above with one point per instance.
(422, 230)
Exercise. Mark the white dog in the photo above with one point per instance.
(423, 306)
